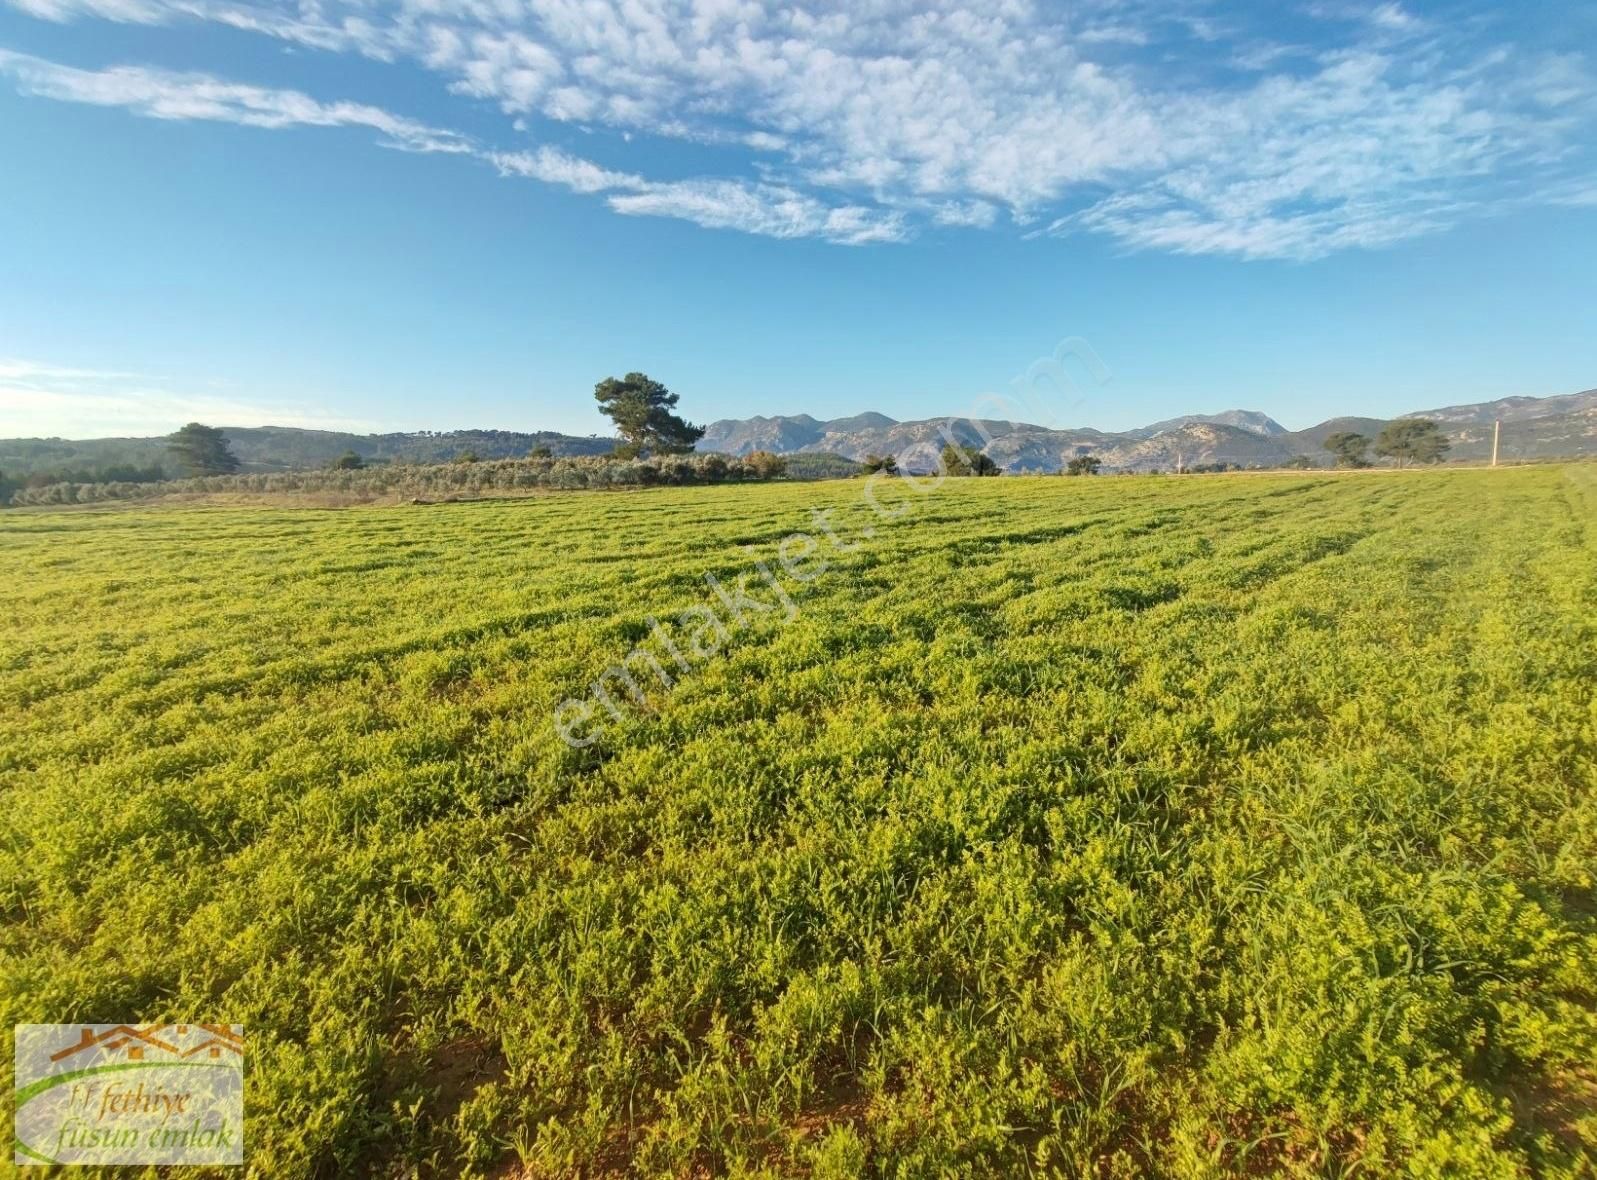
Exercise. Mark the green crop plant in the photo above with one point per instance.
(1230, 825)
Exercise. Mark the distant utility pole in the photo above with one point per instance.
(1497, 433)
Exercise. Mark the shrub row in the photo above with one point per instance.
(434, 479)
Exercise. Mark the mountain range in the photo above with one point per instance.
(1533, 428)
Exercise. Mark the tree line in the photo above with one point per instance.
(640, 407)
(443, 480)
(654, 445)
(1408, 440)
(110, 473)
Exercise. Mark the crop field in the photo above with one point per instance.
(1116, 827)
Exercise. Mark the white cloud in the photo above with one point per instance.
(1353, 155)
(12, 369)
(1261, 56)
(714, 203)
(1112, 35)
(768, 210)
(1576, 194)
(553, 166)
(964, 213)
(133, 11)
(1163, 224)
(158, 94)
(510, 68)
(53, 401)
(866, 121)
(1393, 16)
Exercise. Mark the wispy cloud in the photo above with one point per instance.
(1155, 125)
(158, 94)
(553, 166)
(770, 210)
(1576, 194)
(1112, 35)
(25, 372)
(1359, 154)
(54, 401)
(1395, 16)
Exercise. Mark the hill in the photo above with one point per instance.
(1514, 409)
(1312, 440)
(289, 448)
(1249, 420)
(786, 434)
(1533, 428)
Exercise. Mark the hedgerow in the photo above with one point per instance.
(402, 480)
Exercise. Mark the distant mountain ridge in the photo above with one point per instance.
(1250, 420)
(1533, 428)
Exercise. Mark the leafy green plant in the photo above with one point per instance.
(1122, 828)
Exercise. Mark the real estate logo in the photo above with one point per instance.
(129, 1094)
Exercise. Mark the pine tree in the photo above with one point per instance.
(202, 450)
(642, 408)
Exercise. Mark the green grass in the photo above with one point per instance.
(1111, 827)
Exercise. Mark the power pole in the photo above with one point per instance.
(1497, 433)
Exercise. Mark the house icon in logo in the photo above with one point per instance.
(175, 1041)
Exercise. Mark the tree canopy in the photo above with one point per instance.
(957, 460)
(1083, 465)
(884, 463)
(1417, 440)
(766, 464)
(1349, 448)
(641, 409)
(202, 450)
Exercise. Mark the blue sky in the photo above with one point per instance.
(433, 214)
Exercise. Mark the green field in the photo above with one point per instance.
(1176, 827)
